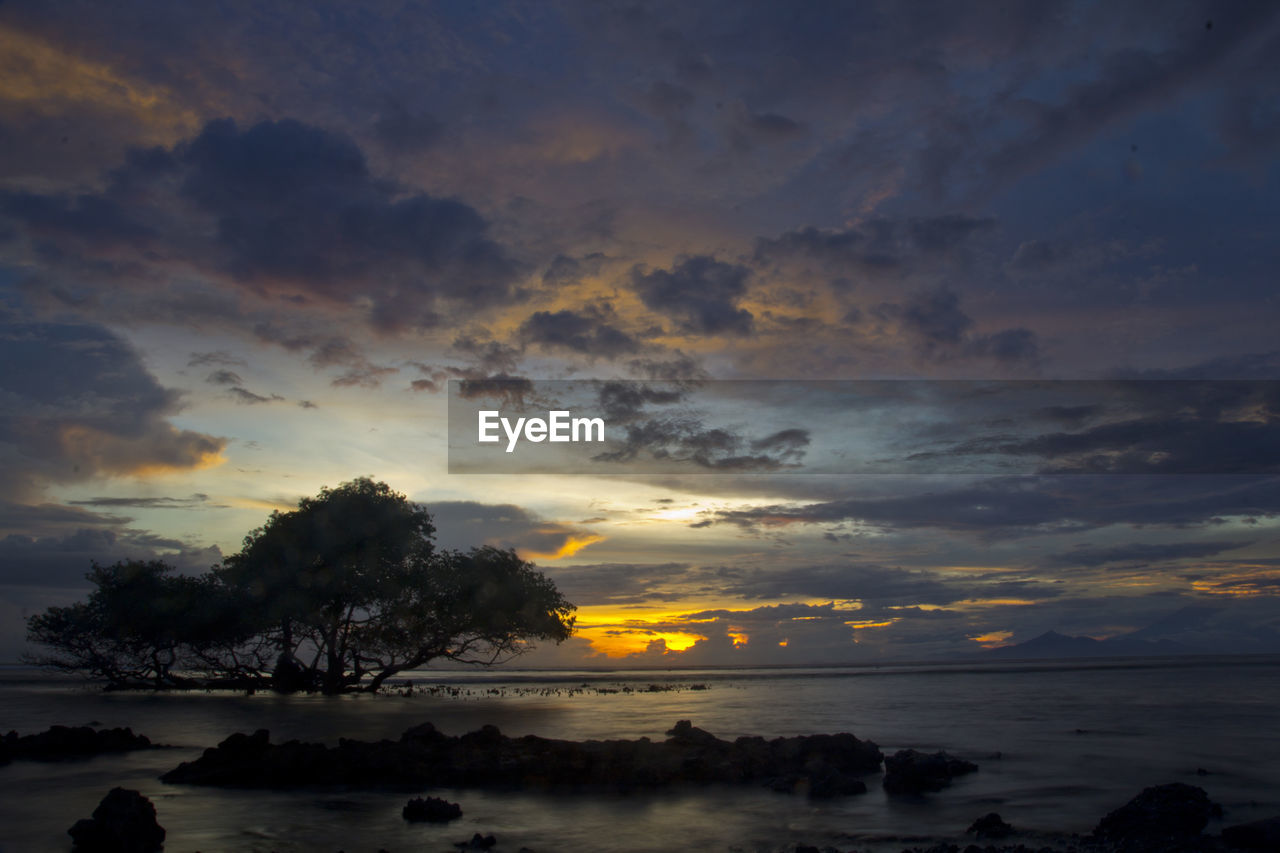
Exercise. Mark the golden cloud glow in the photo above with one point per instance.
(681, 514)
(1240, 584)
(993, 639)
(867, 623)
(620, 642)
(164, 450)
(572, 545)
(38, 73)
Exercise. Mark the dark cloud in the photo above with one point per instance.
(41, 519)
(294, 211)
(80, 403)
(464, 524)
(490, 356)
(202, 359)
(699, 293)
(1142, 552)
(623, 402)
(677, 367)
(581, 332)
(512, 389)
(1143, 427)
(622, 583)
(849, 582)
(936, 320)
(1009, 346)
(1125, 83)
(224, 377)
(748, 128)
(62, 561)
(248, 398)
(1001, 507)
(878, 245)
(682, 439)
(564, 270)
(401, 131)
(940, 329)
(1262, 365)
(193, 502)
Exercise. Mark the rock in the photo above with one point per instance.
(124, 822)
(1170, 812)
(71, 742)
(478, 842)
(910, 772)
(431, 810)
(424, 757)
(686, 732)
(990, 825)
(1257, 835)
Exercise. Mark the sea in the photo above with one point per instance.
(1058, 744)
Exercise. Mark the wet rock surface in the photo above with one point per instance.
(910, 772)
(824, 765)
(431, 810)
(1162, 814)
(69, 742)
(990, 826)
(1256, 835)
(124, 822)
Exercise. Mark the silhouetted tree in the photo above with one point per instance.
(142, 624)
(341, 593)
(351, 591)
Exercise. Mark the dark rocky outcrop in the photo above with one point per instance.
(69, 742)
(124, 822)
(824, 765)
(990, 826)
(478, 842)
(910, 772)
(1256, 835)
(431, 810)
(1162, 816)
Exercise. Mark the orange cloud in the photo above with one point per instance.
(573, 543)
(621, 642)
(39, 74)
(162, 449)
(993, 639)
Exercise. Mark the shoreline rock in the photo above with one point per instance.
(910, 772)
(124, 822)
(822, 765)
(58, 742)
(430, 810)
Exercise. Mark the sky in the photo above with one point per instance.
(245, 247)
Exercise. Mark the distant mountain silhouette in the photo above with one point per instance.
(1051, 644)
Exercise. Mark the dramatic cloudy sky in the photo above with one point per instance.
(244, 247)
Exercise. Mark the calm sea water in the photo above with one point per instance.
(1059, 744)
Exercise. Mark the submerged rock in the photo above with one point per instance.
(910, 772)
(990, 826)
(1256, 835)
(826, 764)
(478, 842)
(431, 810)
(124, 822)
(69, 742)
(1162, 814)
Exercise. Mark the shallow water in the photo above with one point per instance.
(1059, 744)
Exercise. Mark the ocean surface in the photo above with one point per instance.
(1058, 743)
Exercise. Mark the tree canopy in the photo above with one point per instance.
(341, 593)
